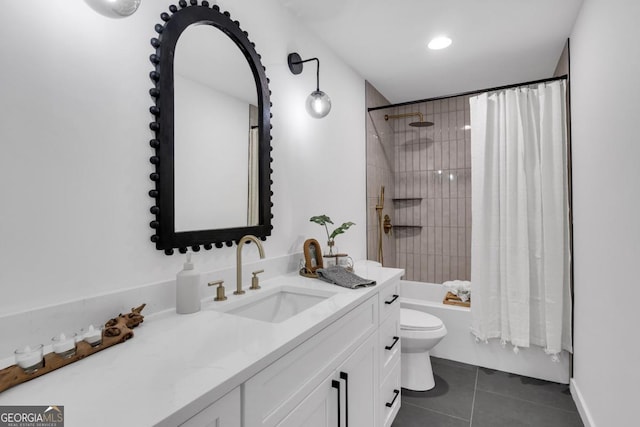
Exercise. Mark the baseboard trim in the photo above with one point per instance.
(583, 410)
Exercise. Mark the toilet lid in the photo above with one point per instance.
(414, 320)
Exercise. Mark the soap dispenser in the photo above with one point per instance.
(188, 289)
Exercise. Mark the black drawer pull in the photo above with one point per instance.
(395, 341)
(390, 404)
(344, 376)
(395, 297)
(336, 384)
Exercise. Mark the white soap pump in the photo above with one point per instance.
(188, 289)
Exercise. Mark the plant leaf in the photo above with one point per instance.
(340, 230)
(321, 219)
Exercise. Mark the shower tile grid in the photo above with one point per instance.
(470, 396)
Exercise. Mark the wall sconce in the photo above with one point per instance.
(114, 8)
(318, 103)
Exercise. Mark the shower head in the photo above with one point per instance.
(419, 124)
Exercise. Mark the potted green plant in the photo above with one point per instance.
(324, 220)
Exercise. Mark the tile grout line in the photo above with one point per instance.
(528, 401)
(473, 401)
(434, 411)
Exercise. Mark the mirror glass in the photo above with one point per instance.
(216, 133)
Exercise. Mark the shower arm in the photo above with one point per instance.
(401, 116)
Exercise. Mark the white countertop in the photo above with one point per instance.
(176, 365)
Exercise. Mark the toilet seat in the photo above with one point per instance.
(414, 320)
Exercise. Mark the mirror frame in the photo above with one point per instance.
(165, 237)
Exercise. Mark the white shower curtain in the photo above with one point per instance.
(520, 255)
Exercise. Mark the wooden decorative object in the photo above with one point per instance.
(312, 258)
(452, 299)
(115, 331)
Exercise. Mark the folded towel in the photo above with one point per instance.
(460, 288)
(340, 276)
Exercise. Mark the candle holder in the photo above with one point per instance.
(31, 364)
(92, 336)
(64, 346)
(30, 359)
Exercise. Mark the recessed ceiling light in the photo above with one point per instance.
(439, 43)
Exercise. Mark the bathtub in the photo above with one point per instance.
(460, 345)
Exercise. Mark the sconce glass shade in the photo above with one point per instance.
(114, 8)
(318, 104)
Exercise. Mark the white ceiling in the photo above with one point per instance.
(495, 42)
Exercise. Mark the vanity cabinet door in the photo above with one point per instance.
(224, 412)
(271, 394)
(359, 382)
(318, 409)
(345, 398)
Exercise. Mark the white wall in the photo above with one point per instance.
(605, 94)
(74, 166)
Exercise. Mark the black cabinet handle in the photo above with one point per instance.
(395, 297)
(345, 377)
(336, 384)
(390, 404)
(395, 341)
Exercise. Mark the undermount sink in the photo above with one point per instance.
(279, 304)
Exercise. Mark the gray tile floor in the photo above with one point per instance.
(469, 396)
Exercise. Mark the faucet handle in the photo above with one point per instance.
(220, 296)
(255, 280)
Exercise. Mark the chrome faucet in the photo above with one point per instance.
(243, 240)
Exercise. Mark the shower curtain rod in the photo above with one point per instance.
(402, 104)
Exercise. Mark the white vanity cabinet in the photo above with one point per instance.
(271, 395)
(346, 375)
(224, 412)
(334, 363)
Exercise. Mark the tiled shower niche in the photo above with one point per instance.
(431, 208)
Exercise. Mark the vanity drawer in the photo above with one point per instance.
(389, 402)
(276, 390)
(389, 342)
(389, 298)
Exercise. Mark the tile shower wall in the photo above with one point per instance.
(380, 164)
(432, 194)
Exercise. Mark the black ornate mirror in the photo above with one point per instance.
(212, 132)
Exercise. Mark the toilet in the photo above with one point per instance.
(419, 333)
